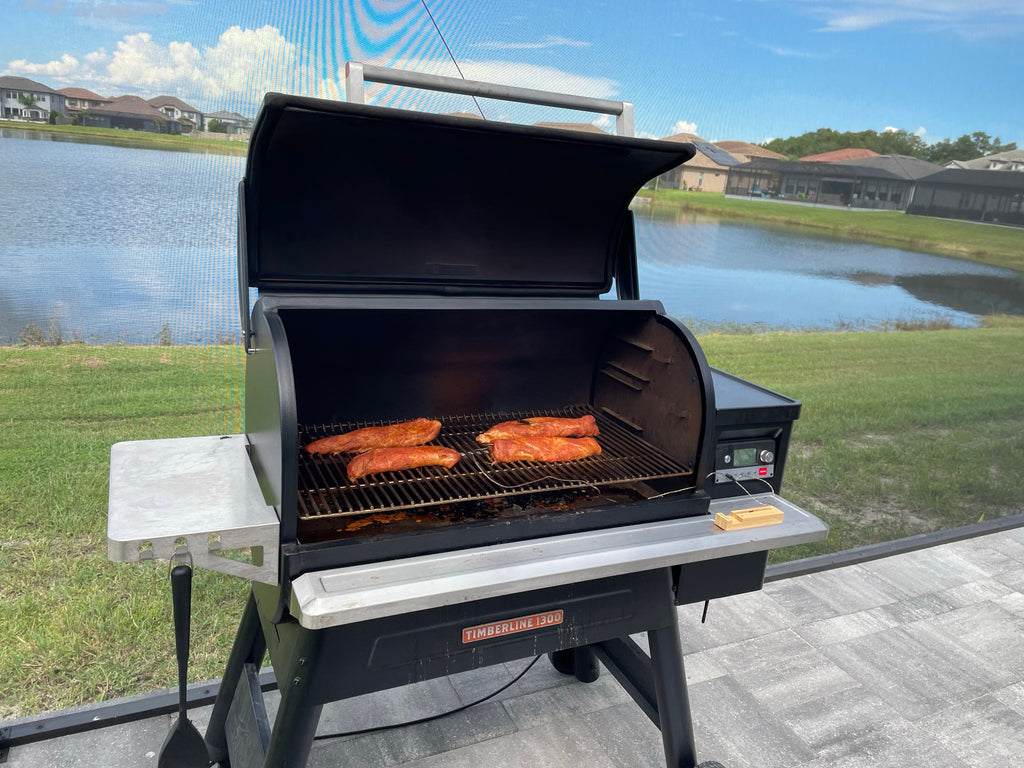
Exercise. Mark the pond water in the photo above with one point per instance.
(107, 244)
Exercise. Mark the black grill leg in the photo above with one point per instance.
(299, 711)
(249, 647)
(673, 700)
(581, 662)
(292, 737)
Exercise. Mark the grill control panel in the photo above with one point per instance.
(744, 460)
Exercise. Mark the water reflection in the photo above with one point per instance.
(107, 243)
(715, 271)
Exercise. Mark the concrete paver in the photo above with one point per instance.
(915, 659)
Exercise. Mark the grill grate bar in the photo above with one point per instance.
(324, 489)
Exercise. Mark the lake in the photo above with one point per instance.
(111, 244)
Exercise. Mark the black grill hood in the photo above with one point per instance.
(349, 198)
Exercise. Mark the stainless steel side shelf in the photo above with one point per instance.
(191, 498)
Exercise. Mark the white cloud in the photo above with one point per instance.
(920, 132)
(975, 19)
(59, 68)
(548, 41)
(786, 52)
(243, 64)
(682, 126)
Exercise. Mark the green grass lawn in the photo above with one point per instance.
(901, 432)
(999, 246)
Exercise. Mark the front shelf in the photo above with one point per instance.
(358, 593)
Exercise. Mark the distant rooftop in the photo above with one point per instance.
(24, 84)
(1011, 160)
(131, 105)
(748, 150)
(82, 93)
(171, 101)
(839, 155)
(585, 127)
(902, 165)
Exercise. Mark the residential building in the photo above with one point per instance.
(707, 171)
(236, 124)
(131, 113)
(744, 151)
(16, 91)
(190, 118)
(972, 194)
(1012, 160)
(885, 184)
(81, 99)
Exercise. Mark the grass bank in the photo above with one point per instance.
(134, 139)
(996, 245)
(900, 433)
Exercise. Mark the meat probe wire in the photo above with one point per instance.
(429, 718)
(451, 55)
(575, 482)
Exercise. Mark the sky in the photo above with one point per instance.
(748, 70)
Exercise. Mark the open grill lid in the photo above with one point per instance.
(346, 198)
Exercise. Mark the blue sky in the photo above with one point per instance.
(726, 69)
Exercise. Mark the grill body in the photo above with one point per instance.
(408, 266)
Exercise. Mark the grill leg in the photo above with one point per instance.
(299, 712)
(673, 700)
(248, 648)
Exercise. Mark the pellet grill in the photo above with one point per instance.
(415, 265)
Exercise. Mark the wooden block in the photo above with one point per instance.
(748, 518)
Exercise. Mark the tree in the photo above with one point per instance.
(216, 126)
(889, 142)
(967, 147)
(28, 101)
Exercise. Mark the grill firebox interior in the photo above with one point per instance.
(324, 489)
(471, 363)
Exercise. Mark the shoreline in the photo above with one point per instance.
(133, 139)
(994, 245)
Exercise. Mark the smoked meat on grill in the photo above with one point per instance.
(378, 460)
(543, 448)
(407, 433)
(541, 426)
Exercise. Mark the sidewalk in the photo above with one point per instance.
(915, 659)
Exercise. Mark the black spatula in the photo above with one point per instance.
(184, 746)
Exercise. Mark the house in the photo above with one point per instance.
(840, 155)
(971, 194)
(131, 113)
(236, 124)
(81, 99)
(707, 171)
(744, 151)
(24, 99)
(1012, 160)
(887, 185)
(190, 118)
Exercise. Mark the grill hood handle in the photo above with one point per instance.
(243, 273)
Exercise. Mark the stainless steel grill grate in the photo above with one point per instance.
(325, 491)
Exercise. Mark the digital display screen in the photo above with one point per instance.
(744, 457)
